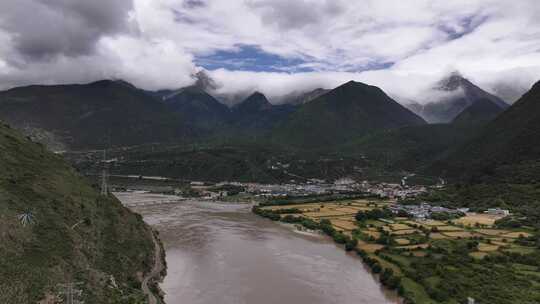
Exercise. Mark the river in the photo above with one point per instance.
(222, 253)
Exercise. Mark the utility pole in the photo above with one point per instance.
(104, 186)
(71, 292)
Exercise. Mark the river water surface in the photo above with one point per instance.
(221, 253)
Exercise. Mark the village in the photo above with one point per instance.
(312, 187)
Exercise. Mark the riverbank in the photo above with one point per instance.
(150, 282)
(292, 216)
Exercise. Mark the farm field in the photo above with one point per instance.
(395, 244)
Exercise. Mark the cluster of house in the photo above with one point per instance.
(424, 210)
(322, 187)
(497, 211)
(312, 187)
(393, 191)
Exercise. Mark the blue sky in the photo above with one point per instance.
(250, 58)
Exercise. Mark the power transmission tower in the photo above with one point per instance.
(71, 293)
(104, 186)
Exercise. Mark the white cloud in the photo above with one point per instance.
(154, 44)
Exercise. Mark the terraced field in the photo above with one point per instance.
(406, 247)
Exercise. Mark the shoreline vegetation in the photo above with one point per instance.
(484, 258)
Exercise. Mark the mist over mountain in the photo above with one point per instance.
(303, 97)
(449, 97)
(507, 148)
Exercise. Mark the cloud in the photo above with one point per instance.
(47, 28)
(275, 46)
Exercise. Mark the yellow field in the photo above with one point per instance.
(482, 219)
(515, 235)
(327, 212)
(455, 234)
(399, 227)
(375, 234)
(501, 244)
(487, 247)
(369, 248)
(404, 232)
(343, 224)
(402, 242)
(449, 228)
(437, 236)
(492, 232)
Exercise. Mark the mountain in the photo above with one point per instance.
(348, 111)
(198, 107)
(450, 96)
(256, 115)
(507, 148)
(481, 111)
(93, 115)
(55, 229)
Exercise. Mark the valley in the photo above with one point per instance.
(269, 151)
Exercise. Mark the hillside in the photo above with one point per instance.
(481, 111)
(55, 229)
(507, 148)
(451, 96)
(257, 116)
(350, 110)
(198, 107)
(92, 115)
(409, 148)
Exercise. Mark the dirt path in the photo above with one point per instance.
(154, 273)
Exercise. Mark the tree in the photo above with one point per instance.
(26, 218)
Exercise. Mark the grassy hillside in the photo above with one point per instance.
(409, 148)
(483, 110)
(73, 235)
(198, 107)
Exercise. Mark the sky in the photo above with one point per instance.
(273, 46)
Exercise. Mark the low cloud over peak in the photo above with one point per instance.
(273, 46)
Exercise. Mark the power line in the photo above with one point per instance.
(104, 185)
(71, 293)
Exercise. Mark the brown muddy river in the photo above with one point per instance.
(222, 253)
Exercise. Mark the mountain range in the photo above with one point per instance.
(116, 113)
(93, 115)
(354, 115)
